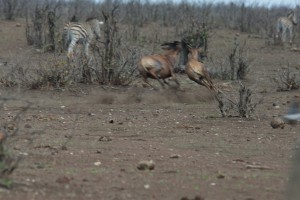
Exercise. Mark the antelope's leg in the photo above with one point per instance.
(175, 79)
(164, 80)
(146, 81)
(154, 75)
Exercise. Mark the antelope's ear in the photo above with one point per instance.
(101, 22)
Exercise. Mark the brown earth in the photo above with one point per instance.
(88, 142)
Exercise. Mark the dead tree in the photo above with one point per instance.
(110, 30)
(51, 26)
(9, 7)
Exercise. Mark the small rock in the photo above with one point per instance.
(105, 139)
(28, 126)
(98, 151)
(175, 156)
(64, 148)
(98, 163)
(63, 180)
(2, 137)
(11, 126)
(198, 198)
(277, 123)
(220, 176)
(111, 121)
(143, 165)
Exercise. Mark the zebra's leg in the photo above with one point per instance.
(87, 54)
(71, 49)
(283, 37)
(86, 49)
(291, 36)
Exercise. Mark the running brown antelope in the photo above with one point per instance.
(160, 66)
(196, 70)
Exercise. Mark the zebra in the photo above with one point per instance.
(285, 24)
(81, 32)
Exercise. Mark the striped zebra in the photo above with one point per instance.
(75, 32)
(286, 24)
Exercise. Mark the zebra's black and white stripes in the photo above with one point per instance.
(286, 25)
(81, 32)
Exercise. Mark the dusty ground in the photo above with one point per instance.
(89, 142)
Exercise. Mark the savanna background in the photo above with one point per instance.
(94, 130)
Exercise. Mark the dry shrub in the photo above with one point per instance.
(242, 107)
(236, 67)
(44, 74)
(9, 129)
(287, 79)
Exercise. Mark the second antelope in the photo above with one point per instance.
(159, 66)
(196, 70)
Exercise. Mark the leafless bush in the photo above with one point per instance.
(118, 57)
(9, 8)
(236, 67)
(287, 79)
(8, 131)
(42, 28)
(46, 74)
(242, 107)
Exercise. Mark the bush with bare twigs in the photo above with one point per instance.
(8, 130)
(236, 67)
(242, 107)
(46, 74)
(287, 79)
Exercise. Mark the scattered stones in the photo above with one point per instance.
(277, 123)
(146, 165)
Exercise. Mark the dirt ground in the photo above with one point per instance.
(88, 142)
